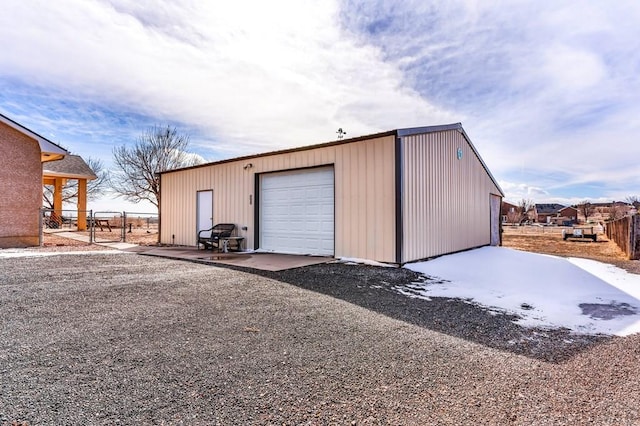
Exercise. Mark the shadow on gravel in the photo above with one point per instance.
(373, 288)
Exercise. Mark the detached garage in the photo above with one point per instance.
(393, 197)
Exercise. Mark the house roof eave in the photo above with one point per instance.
(50, 150)
(51, 174)
(70, 167)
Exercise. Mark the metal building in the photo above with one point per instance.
(394, 197)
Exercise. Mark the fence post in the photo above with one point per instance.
(124, 227)
(633, 243)
(91, 227)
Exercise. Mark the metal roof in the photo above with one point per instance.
(428, 129)
(399, 133)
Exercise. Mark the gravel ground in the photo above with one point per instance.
(127, 339)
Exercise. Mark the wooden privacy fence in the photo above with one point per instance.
(625, 233)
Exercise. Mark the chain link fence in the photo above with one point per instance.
(90, 227)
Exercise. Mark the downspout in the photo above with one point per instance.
(256, 211)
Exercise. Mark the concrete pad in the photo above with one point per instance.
(266, 261)
(118, 246)
(262, 261)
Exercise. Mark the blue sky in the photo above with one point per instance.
(549, 92)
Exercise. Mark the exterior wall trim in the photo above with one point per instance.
(444, 254)
(256, 210)
(398, 189)
(428, 129)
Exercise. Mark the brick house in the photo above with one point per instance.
(568, 215)
(544, 212)
(23, 153)
(510, 212)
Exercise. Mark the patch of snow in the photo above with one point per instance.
(543, 290)
(357, 261)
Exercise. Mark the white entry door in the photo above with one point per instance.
(297, 211)
(494, 210)
(204, 209)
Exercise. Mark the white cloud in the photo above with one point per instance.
(260, 75)
(571, 70)
(549, 92)
(519, 191)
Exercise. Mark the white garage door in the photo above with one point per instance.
(297, 212)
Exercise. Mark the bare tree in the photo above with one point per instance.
(586, 209)
(157, 150)
(95, 187)
(633, 200)
(525, 205)
(514, 216)
(617, 211)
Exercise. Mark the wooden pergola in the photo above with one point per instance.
(57, 173)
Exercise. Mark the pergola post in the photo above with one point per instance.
(57, 173)
(82, 204)
(57, 198)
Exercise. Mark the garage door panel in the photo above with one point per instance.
(297, 212)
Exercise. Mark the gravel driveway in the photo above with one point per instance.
(127, 339)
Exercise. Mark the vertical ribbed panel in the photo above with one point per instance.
(445, 200)
(364, 192)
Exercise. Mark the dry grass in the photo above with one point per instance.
(549, 241)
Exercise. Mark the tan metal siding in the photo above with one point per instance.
(445, 201)
(364, 191)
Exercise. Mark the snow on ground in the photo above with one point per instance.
(545, 291)
(358, 261)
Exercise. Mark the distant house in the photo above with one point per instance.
(542, 213)
(554, 214)
(24, 156)
(395, 197)
(567, 215)
(601, 212)
(510, 213)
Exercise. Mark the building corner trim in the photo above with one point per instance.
(398, 200)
